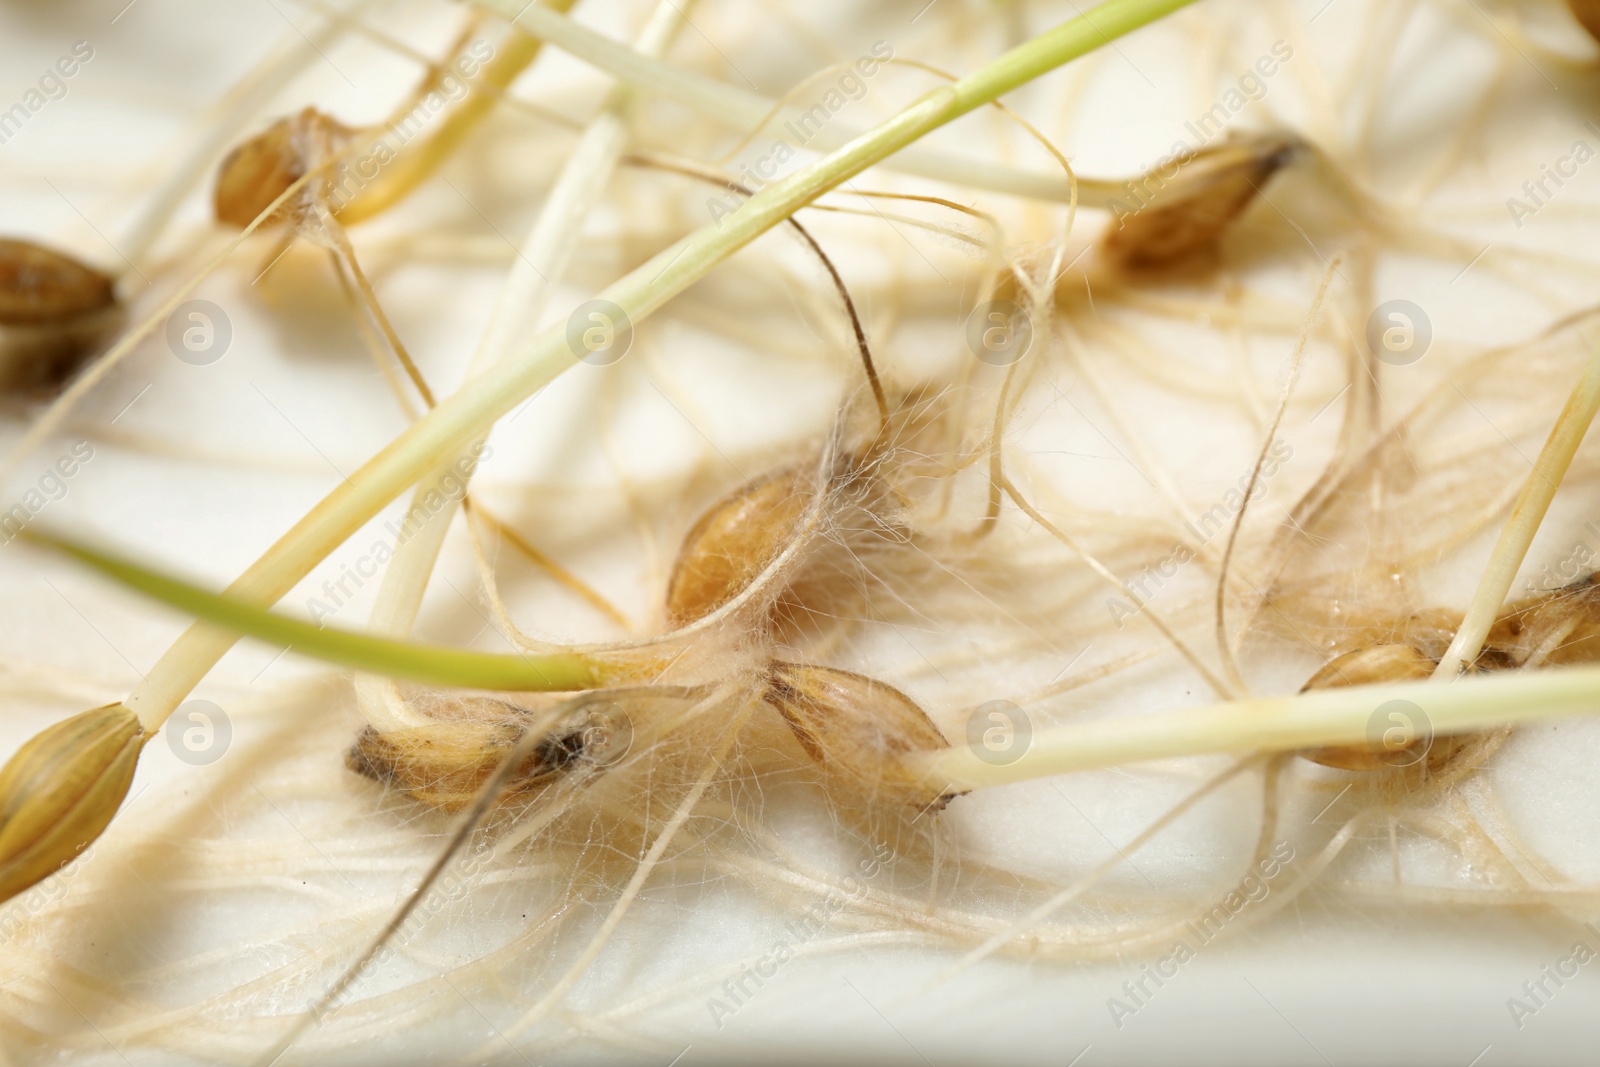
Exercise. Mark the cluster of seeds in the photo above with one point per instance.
(762, 570)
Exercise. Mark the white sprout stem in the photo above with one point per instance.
(742, 109)
(467, 415)
(542, 261)
(1523, 522)
(1320, 717)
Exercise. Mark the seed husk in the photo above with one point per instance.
(261, 169)
(859, 729)
(1187, 213)
(61, 789)
(442, 764)
(734, 541)
(39, 286)
(37, 360)
(54, 313)
(445, 764)
(1370, 666)
(1562, 625)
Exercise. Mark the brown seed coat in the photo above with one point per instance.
(734, 542)
(1190, 211)
(1370, 666)
(859, 729)
(42, 287)
(61, 789)
(261, 169)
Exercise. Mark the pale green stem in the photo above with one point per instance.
(1354, 715)
(1523, 523)
(466, 416)
(742, 110)
(541, 262)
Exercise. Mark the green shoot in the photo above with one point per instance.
(429, 664)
